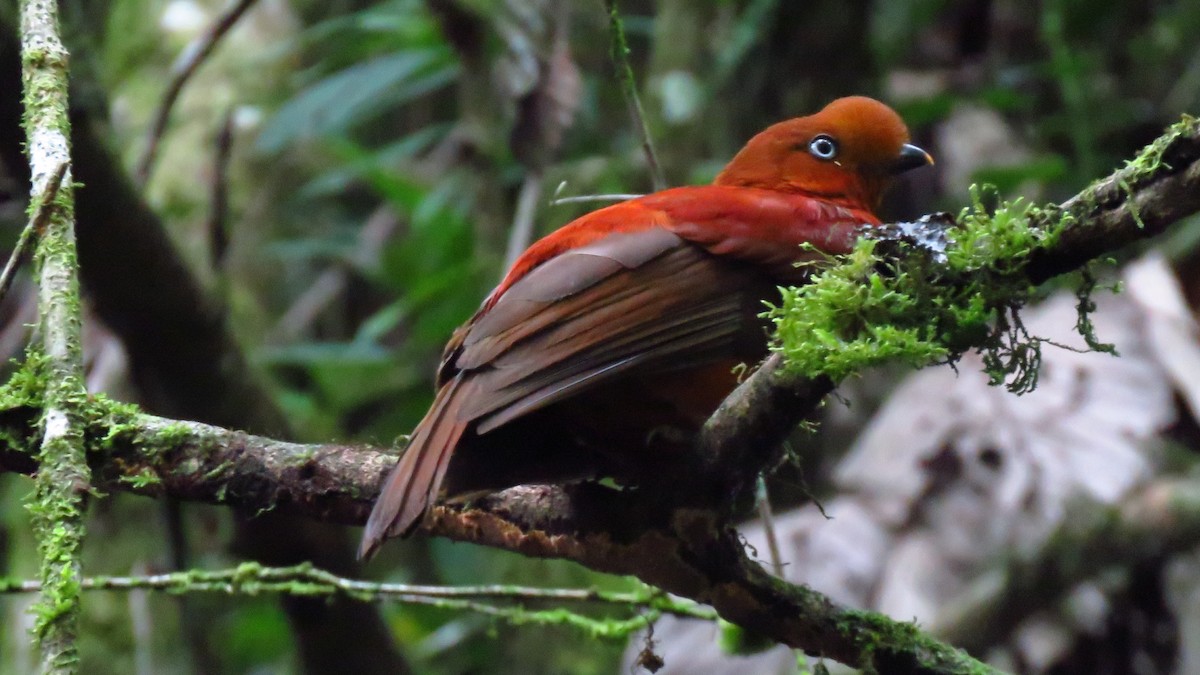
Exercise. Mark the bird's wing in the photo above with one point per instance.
(647, 299)
(629, 300)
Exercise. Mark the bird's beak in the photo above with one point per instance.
(911, 157)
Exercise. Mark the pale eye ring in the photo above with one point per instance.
(823, 147)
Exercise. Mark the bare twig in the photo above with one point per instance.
(218, 203)
(521, 234)
(331, 283)
(580, 199)
(63, 477)
(620, 56)
(184, 67)
(141, 626)
(33, 229)
(767, 517)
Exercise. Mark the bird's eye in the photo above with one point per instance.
(823, 147)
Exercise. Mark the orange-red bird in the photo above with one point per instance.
(611, 340)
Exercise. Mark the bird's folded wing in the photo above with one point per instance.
(590, 315)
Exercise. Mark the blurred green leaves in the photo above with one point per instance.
(358, 94)
(374, 61)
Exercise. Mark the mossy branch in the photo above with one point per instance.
(507, 602)
(687, 552)
(925, 292)
(63, 479)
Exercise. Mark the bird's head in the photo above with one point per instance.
(847, 153)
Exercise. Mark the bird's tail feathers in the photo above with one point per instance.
(413, 485)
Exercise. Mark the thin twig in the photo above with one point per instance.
(580, 199)
(184, 67)
(218, 202)
(254, 579)
(194, 617)
(142, 629)
(18, 326)
(1066, 65)
(620, 57)
(33, 229)
(521, 233)
(767, 517)
(331, 284)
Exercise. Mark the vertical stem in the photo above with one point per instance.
(521, 234)
(768, 520)
(1069, 70)
(620, 56)
(63, 477)
(182, 70)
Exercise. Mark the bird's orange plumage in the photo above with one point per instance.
(612, 339)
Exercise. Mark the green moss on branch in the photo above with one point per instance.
(922, 305)
(63, 479)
